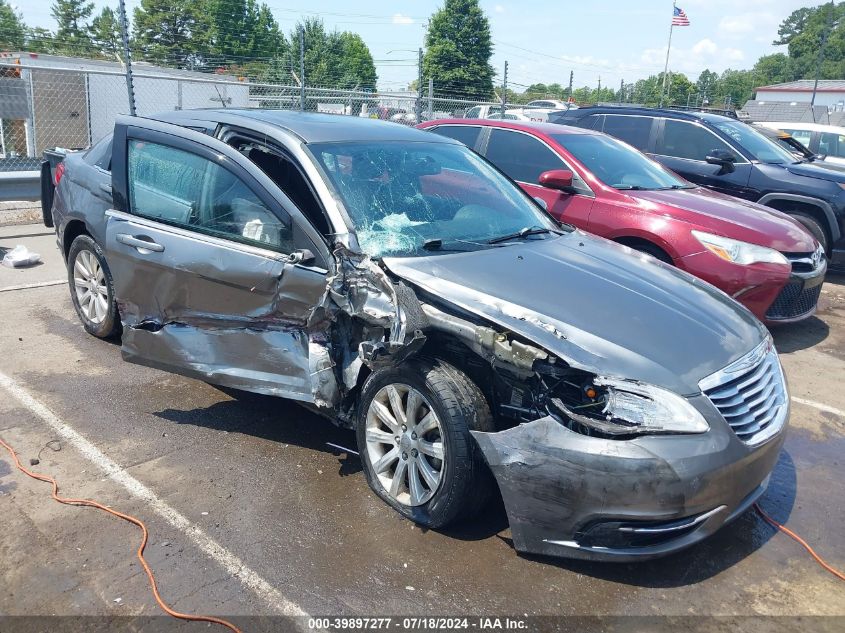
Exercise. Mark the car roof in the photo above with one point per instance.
(799, 125)
(686, 115)
(313, 127)
(535, 126)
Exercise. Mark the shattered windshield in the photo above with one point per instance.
(408, 199)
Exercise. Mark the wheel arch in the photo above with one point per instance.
(72, 230)
(635, 241)
(818, 209)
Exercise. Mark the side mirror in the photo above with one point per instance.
(560, 179)
(723, 158)
(301, 256)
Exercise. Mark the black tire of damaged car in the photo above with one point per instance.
(86, 271)
(464, 482)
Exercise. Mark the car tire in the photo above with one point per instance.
(464, 482)
(91, 288)
(814, 227)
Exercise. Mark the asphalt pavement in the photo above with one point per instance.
(251, 512)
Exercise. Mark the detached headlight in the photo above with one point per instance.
(649, 409)
(738, 252)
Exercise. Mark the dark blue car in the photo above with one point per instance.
(726, 155)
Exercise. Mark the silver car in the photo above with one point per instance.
(398, 284)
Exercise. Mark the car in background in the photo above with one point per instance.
(509, 115)
(788, 142)
(762, 258)
(396, 283)
(726, 155)
(825, 140)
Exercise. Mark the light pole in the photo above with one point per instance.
(832, 24)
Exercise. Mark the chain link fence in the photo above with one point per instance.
(72, 103)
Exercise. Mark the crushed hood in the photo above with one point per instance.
(597, 305)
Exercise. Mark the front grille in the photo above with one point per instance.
(802, 262)
(794, 301)
(750, 394)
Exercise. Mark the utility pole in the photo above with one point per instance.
(621, 90)
(430, 98)
(825, 34)
(505, 90)
(302, 67)
(599, 92)
(124, 35)
(419, 86)
(571, 79)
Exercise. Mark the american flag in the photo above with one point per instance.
(679, 18)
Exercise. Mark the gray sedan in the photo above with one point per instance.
(397, 283)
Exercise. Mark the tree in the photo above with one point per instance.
(356, 65)
(735, 88)
(793, 25)
(165, 32)
(773, 69)
(12, 28)
(73, 35)
(332, 59)
(707, 84)
(39, 40)
(105, 33)
(458, 50)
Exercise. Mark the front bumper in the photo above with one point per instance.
(773, 292)
(574, 496)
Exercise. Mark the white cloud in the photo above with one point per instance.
(746, 24)
(398, 18)
(705, 53)
(499, 8)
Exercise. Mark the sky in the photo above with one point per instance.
(543, 40)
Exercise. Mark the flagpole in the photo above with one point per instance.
(668, 48)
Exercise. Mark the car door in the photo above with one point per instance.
(524, 157)
(215, 271)
(683, 147)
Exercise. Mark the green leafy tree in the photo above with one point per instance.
(458, 50)
(167, 31)
(793, 25)
(39, 40)
(356, 63)
(735, 88)
(332, 59)
(823, 26)
(773, 69)
(706, 85)
(12, 28)
(73, 35)
(105, 32)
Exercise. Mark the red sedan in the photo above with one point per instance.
(760, 256)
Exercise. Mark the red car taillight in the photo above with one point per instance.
(60, 171)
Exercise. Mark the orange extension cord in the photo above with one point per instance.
(801, 541)
(125, 517)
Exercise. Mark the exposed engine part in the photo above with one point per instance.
(486, 341)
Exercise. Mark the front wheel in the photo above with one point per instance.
(91, 288)
(413, 432)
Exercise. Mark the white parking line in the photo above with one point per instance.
(231, 563)
(819, 406)
(40, 284)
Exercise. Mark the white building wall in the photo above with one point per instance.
(829, 99)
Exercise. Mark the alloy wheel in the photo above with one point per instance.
(89, 282)
(405, 444)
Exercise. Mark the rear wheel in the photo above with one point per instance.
(91, 288)
(413, 431)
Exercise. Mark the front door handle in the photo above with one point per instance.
(140, 243)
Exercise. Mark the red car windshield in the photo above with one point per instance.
(618, 165)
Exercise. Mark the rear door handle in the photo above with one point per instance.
(139, 243)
